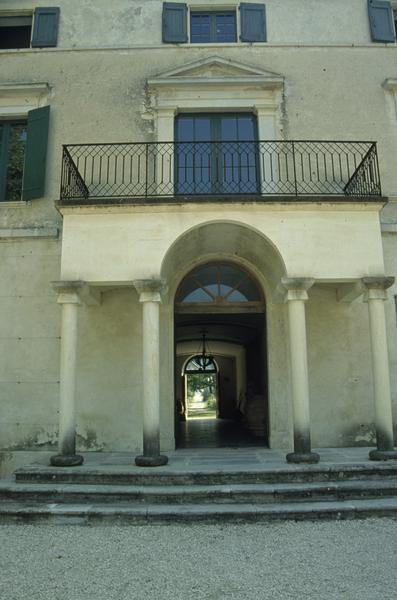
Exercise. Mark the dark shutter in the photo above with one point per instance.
(174, 22)
(45, 27)
(381, 21)
(253, 22)
(35, 154)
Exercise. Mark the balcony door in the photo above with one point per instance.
(216, 154)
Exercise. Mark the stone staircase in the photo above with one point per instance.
(84, 495)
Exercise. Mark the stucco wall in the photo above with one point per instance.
(29, 343)
(132, 22)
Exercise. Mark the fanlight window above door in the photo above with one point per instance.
(218, 283)
(200, 364)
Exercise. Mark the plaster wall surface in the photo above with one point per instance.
(328, 243)
(138, 22)
(29, 343)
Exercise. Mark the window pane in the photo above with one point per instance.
(225, 28)
(215, 281)
(213, 27)
(229, 166)
(200, 28)
(246, 128)
(15, 161)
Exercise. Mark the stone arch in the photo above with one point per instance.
(223, 240)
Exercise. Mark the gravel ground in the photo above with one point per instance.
(331, 560)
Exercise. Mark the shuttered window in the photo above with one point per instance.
(213, 26)
(23, 149)
(39, 31)
(381, 20)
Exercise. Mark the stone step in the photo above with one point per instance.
(164, 476)
(84, 514)
(257, 493)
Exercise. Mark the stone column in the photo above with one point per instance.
(149, 291)
(296, 297)
(69, 299)
(375, 296)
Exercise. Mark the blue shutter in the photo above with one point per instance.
(35, 153)
(45, 27)
(174, 22)
(253, 22)
(381, 21)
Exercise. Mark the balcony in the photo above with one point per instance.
(150, 172)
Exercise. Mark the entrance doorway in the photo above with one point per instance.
(221, 375)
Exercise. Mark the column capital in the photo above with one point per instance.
(68, 291)
(149, 290)
(76, 292)
(295, 288)
(375, 287)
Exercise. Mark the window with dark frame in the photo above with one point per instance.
(36, 30)
(216, 153)
(13, 137)
(213, 27)
(15, 32)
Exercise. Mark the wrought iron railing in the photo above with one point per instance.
(183, 170)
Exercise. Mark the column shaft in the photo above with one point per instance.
(151, 379)
(69, 299)
(375, 296)
(150, 296)
(296, 297)
(381, 375)
(67, 427)
(299, 374)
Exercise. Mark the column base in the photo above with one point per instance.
(64, 460)
(151, 461)
(383, 455)
(303, 457)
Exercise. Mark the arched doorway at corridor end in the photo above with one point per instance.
(223, 302)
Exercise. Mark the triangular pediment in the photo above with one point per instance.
(216, 69)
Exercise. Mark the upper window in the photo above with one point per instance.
(23, 148)
(37, 31)
(13, 137)
(15, 32)
(212, 27)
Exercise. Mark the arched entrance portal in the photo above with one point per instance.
(221, 376)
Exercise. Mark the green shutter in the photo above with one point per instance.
(45, 27)
(174, 22)
(253, 22)
(381, 21)
(35, 155)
